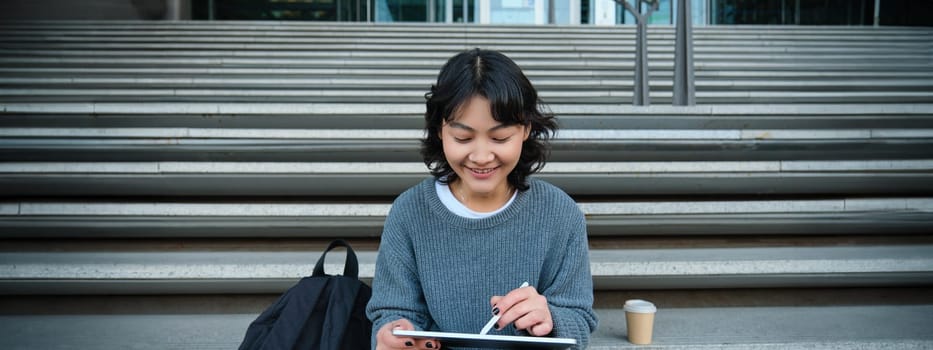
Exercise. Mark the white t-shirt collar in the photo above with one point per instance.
(452, 204)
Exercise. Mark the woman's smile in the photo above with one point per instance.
(482, 173)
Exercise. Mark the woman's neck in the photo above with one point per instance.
(481, 202)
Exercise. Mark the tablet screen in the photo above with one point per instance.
(490, 340)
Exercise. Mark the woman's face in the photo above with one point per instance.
(481, 150)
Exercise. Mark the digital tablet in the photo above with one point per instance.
(490, 340)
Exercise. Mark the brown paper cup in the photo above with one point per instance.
(639, 319)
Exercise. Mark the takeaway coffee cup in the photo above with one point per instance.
(639, 319)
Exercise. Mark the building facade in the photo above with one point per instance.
(575, 12)
(518, 12)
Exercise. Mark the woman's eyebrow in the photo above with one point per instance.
(468, 128)
(500, 126)
(460, 126)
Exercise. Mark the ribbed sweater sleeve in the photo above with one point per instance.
(439, 270)
(570, 293)
(400, 295)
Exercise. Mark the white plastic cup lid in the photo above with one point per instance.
(640, 306)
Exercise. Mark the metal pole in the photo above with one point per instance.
(783, 12)
(432, 15)
(684, 88)
(642, 88)
(448, 11)
(797, 13)
(877, 13)
(642, 93)
(210, 10)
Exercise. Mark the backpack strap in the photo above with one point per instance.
(351, 267)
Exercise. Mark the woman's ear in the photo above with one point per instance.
(527, 132)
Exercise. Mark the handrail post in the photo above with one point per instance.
(642, 93)
(877, 17)
(684, 88)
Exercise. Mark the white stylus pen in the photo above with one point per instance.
(495, 318)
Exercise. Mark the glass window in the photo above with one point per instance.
(698, 10)
(438, 10)
(512, 11)
(835, 12)
(464, 5)
(281, 10)
(402, 10)
(623, 16)
(804, 12)
(906, 13)
(561, 11)
(662, 15)
(750, 11)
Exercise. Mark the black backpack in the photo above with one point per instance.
(320, 312)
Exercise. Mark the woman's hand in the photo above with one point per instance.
(385, 340)
(526, 309)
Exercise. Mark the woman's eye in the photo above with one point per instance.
(462, 140)
(500, 140)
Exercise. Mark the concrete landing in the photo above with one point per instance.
(836, 327)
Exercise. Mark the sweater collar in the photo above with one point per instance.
(439, 210)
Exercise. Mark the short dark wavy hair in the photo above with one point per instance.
(511, 96)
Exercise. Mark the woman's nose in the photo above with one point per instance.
(481, 155)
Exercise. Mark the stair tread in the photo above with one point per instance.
(834, 327)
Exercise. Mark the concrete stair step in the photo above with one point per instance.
(242, 272)
(619, 116)
(286, 151)
(172, 86)
(414, 96)
(204, 304)
(186, 179)
(619, 64)
(150, 131)
(359, 218)
(437, 53)
(837, 327)
(323, 132)
(192, 73)
(442, 48)
(356, 46)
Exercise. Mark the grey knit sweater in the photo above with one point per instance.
(439, 270)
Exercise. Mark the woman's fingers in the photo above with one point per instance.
(502, 303)
(386, 340)
(429, 344)
(537, 323)
(524, 308)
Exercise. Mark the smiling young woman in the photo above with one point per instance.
(482, 152)
(455, 245)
